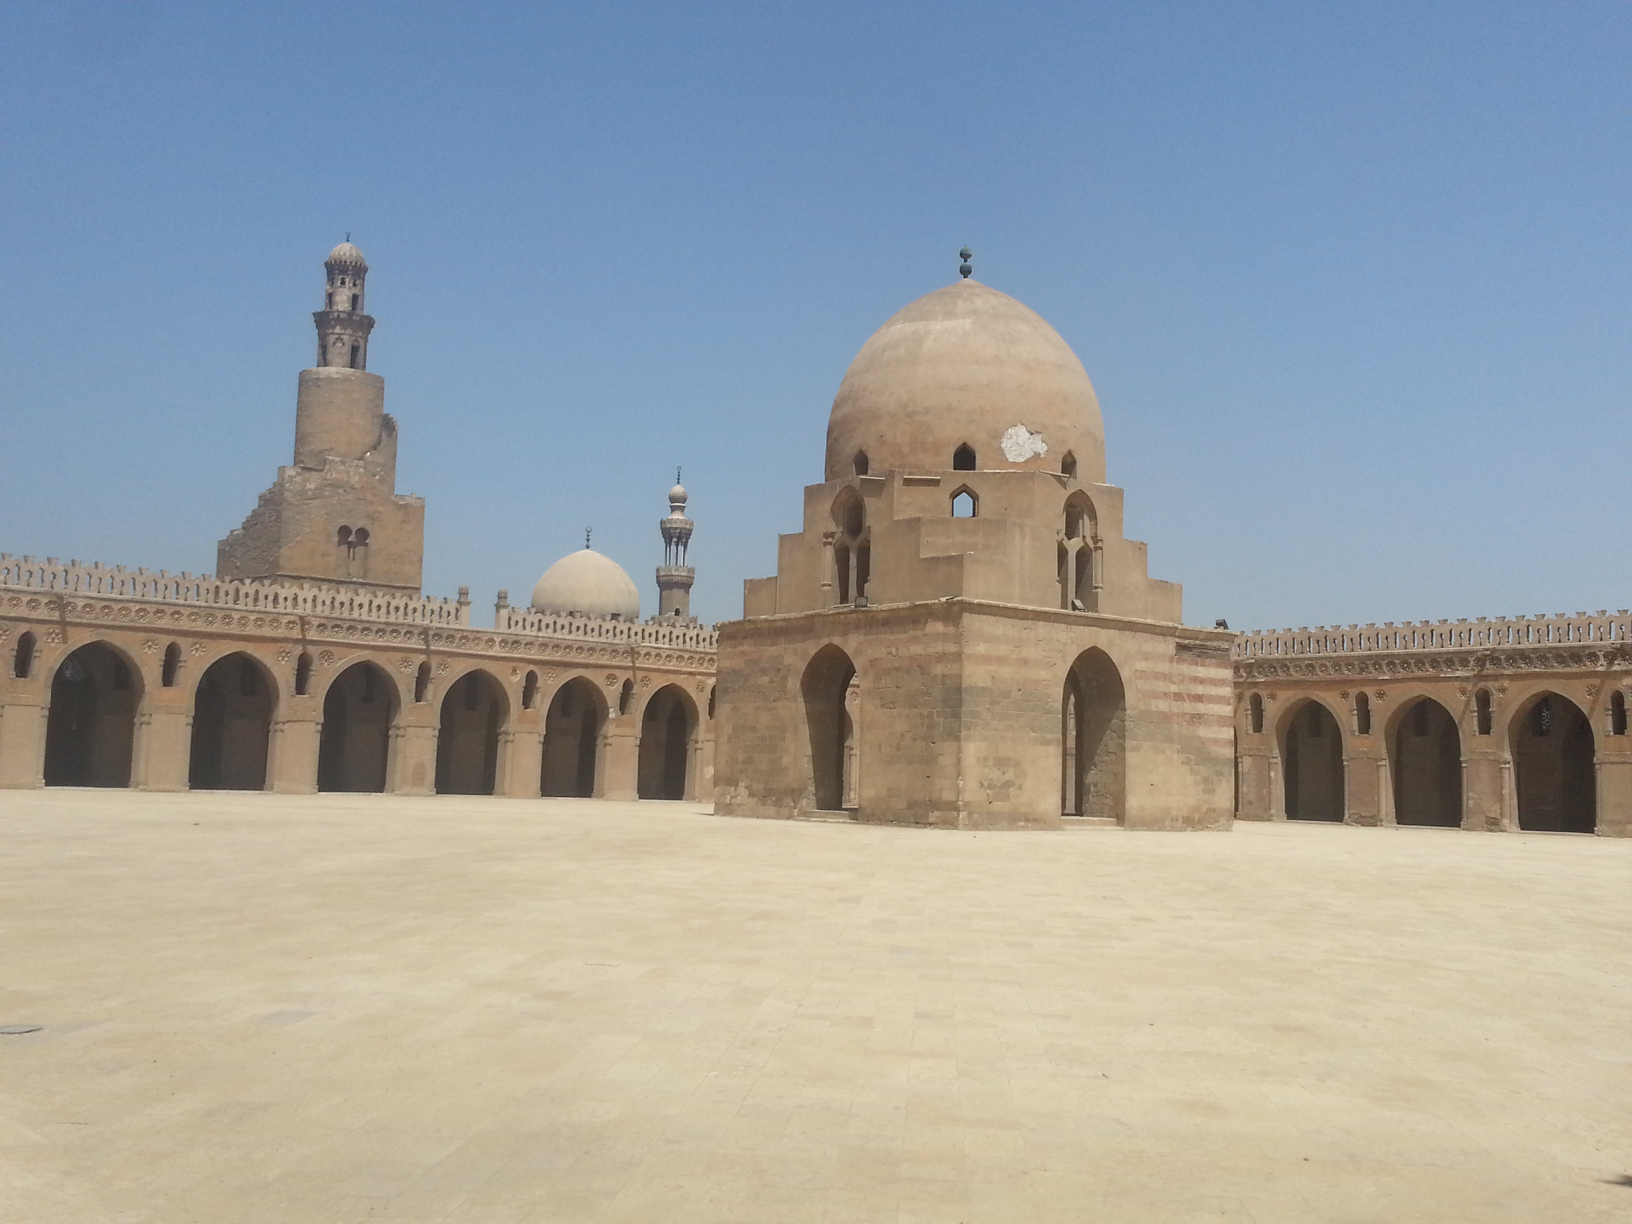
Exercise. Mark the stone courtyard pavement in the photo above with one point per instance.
(330, 1009)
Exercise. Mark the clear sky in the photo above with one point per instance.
(1351, 280)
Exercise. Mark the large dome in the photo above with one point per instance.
(966, 366)
(585, 583)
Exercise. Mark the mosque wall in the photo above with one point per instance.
(113, 663)
(1491, 724)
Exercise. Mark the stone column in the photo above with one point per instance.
(291, 762)
(523, 764)
(619, 760)
(1615, 789)
(412, 768)
(22, 742)
(162, 753)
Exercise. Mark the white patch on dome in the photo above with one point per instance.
(1020, 444)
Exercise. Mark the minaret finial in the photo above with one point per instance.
(348, 235)
(677, 475)
(965, 270)
(587, 531)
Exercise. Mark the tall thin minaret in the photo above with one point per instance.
(674, 576)
(343, 324)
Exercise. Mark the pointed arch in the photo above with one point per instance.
(1093, 738)
(22, 662)
(90, 728)
(171, 667)
(470, 721)
(1425, 762)
(860, 463)
(354, 748)
(1554, 765)
(963, 458)
(965, 503)
(1311, 744)
(824, 685)
(572, 740)
(668, 730)
(233, 707)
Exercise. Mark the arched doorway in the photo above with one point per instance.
(1553, 755)
(358, 712)
(1312, 764)
(572, 739)
(467, 737)
(91, 727)
(824, 685)
(1425, 761)
(666, 728)
(232, 725)
(1093, 740)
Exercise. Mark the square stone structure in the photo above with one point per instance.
(961, 636)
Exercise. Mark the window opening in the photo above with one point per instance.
(963, 459)
(1068, 466)
(1481, 712)
(303, 674)
(355, 298)
(1617, 713)
(529, 690)
(22, 663)
(1255, 714)
(860, 463)
(343, 536)
(355, 349)
(170, 666)
(963, 504)
(711, 701)
(1362, 714)
(422, 682)
(626, 696)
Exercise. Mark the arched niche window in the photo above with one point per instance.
(529, 691)
(355, 349)
(422, 682)
(1078, 556)
(22, 663)
(963, 459)
(626, 696)
(965, 504)
(360, 537)
(1068, 466)
(303, 674)
(343, 536)
(852, 549)
(1255, 713)
(859, 463)
(1617, 713)
(171, 665)
(1481, 712)
(1362, 714)
(355, 298)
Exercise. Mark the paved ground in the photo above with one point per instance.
(331, 1009)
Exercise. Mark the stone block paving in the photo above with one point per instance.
(336, 1009)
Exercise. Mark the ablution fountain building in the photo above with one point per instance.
(959, 635)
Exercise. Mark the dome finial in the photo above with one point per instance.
(965, 270)
(348, 235)
(587, 530)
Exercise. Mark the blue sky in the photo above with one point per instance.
(1351, 280)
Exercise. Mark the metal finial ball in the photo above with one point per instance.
(587, 530)
(964, 268)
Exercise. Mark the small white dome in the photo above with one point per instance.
(585, 583)
(677, 495)
(347, 254)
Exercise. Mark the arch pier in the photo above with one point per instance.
(1500, 725)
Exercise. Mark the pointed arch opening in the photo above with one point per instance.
(90, 729)
(1362, 713)
(474, 711)
(529, 691)
(824, 686)
(1068, 466)
(852, 548)
(965, 504)
(1312, 763)
(860, 463)
(963, 459)
(1554, 763)
(422, 683)
(171, 667)
(1078, 555)
(668, 728)
(1481, 712)
(232, 725)
(572, 740)
(354, 749)
(303, 674)
(1255, 713)
(1093, 737)
(1425, 763)
(22, 662)
(1617, 713)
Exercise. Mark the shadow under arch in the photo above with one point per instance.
(825, 683)
(232, 725)
(1093, 739)
(1311, 744)
(1554, 767)
(1425, 763)
(572, 740)
(90, 729)
(472, 716)
(668, 729)
(359, 710)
